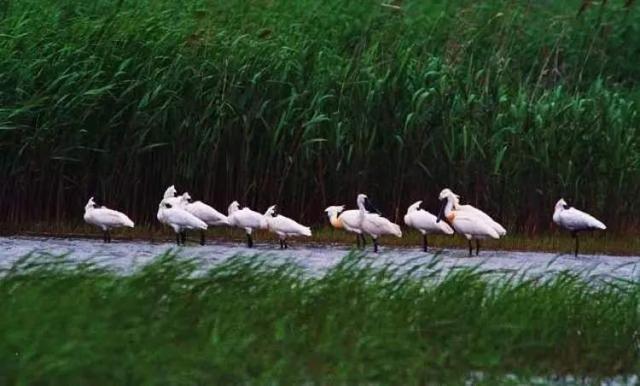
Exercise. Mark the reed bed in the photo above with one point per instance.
(306, 103)
(250, 321)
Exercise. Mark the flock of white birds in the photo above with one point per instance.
(181, 213)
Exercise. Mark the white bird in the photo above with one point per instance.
(456, 206)
(374, 224)
(178, 219)
(284, 226)
(469, 223)
(425, 223)
(171, 198)
(575, 220)
(105, 219)
(247, 219)
(204, 212)
(348, 220)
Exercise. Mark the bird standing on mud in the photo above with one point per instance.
(425, 223)
(575, 220)
(348, 220)
(105, 219)
(178, 219)
(472, 223)
(374, 224)
(284, 226)
(247, 219)
(204, 212)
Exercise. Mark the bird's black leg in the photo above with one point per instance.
(249, 241)
(183, 236)
(375, 244)
(364, 241)
(177, 238)
(575, 236)
(104, 236)
(357, 241)
(201, 237)
(425, 243)
(470, 249)
(477, 247)
(281, 244)
(109, 236)
(284, 242)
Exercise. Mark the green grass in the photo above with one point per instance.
(249, 321)
(306, 103)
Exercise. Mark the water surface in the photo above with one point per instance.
(127, 256)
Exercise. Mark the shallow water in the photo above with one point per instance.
(126, 256)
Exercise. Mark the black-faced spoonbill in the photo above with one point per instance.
(284, 226)
(178, 219)
(348, 220)
(472, 209)
(247, 219)
(575, 220)
(374, 224)
(425, 222)
(204, 212)
(469, 223)
(105, 219)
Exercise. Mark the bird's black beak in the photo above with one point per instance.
(566, 206)
(441, 212)
(370, 207)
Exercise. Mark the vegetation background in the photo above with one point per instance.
(253, 321)
(304, 103)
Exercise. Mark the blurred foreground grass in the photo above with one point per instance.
(246, 321)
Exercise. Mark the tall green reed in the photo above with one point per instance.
(304, 104)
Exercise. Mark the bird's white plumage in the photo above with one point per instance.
(245, 218)
(178, 218)
(469, 223)
(345, 219)
(105, 218)
(472, 210)
(373, 224)
(424, 221)
(170, 192)
(284, 226)
(575, 220)
(473, 227)
(203, 211)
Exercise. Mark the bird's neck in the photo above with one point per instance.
(448, 208)
(335, 221)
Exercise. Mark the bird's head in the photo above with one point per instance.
(234, 206)
(415, 206)
(361, 199)
(170, 192)
(90, 204)
(271, 211)
(561, 204)
(333, 210)
(448, 193)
